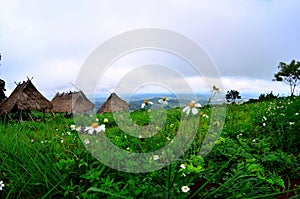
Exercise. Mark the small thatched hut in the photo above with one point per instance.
(113, 104)
(71, 102)
(25, 97)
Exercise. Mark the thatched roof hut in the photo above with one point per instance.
(113, 104)
(71, 102)
(25, 97)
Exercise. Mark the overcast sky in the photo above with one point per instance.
(50, 40)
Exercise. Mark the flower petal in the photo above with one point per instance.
(143, 105)
(198, 105)
(194, 111)
(185, 189)
(185, 109)
(101, 127)
(150, 103)
(98, 129)
(91, 131)
(188, 111)
(87, 128)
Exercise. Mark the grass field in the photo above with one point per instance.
(256, 156)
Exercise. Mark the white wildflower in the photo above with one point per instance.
(216, 89)
(163, 101)
(1, 185)
(73, 127)
(146, 103)
(86, 141)
(155, 157)
(78, 128)
(183, 166)
(192, 106)
(94, 128)
(185, 189)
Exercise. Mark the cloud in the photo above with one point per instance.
(254, 86)
(51, 40)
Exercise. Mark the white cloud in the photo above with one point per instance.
(254, 86)
(50, 40)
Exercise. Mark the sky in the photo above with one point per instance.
(51, 40)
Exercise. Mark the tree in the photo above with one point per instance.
(232, 95)
(2, 88)
(289, 73)
(268, 96)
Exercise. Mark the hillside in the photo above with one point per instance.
(256, 155)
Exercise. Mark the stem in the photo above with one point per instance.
(291, 87)
(169, 180)
(217, 173)
(274, 194)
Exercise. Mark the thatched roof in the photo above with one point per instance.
(71, 102)
(25, 97)
(113, 104)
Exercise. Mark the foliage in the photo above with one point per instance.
(263, 97)
(268, 96)
(2, 87)
(232, 95)
(289, 73)
(256, 156)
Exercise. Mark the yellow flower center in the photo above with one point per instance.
(216, 123)
(95, 125)
(146, 102)
(215, 88)
(192, 104)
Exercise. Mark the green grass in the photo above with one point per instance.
(256, 156)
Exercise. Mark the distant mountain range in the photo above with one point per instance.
(179, 100)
